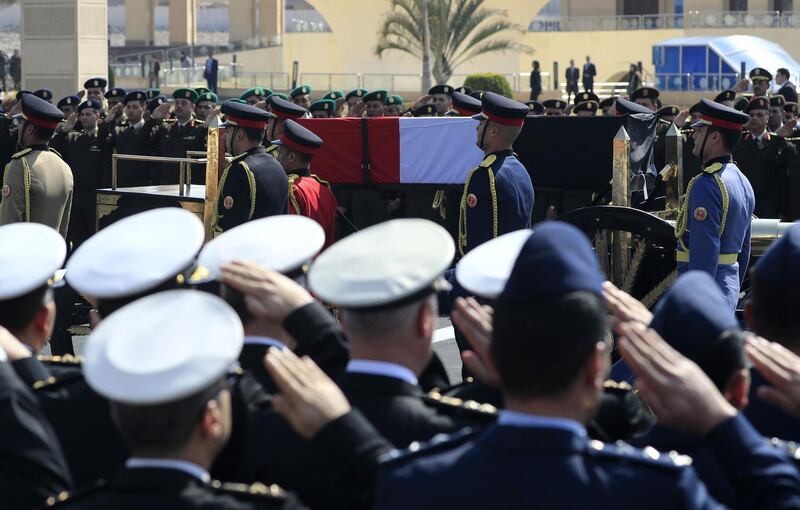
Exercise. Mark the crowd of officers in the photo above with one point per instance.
(209, 382)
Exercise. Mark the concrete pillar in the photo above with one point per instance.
(63, 43)
(272, 20)
(182, 22)
(140, 22)
(242, 18)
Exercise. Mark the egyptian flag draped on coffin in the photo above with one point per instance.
(400, 150)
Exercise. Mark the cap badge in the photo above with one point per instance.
(358, 93)
(645, 93)
(325, 106)
(700, 214)
(446, 90)
(96, 83)
(188, 94)
(756, 71)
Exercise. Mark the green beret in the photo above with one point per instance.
(266, 92)
(189, 94)
(394, 100)
(208, 96)
(255, 91)
(237, 100)
(280, 95)
(376, 95)
(323, 105)
(334, 94)
(300, 91)
(201, 90)
(357, 93)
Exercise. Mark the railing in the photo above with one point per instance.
(691, 19)
(695, 81)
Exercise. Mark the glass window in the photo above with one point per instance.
(737, 5)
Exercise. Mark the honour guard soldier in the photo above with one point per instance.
(355, 105)
(393, 106)
(174, 391)
(301, 96)
(554, 107)
(122, 135)
(279, 110)
(762, 157)
(442, 96)
(389, 310)
(253, 95)
(253, 185)
(37, 183)
(373, 103)
(85, 153)
(114, 97)
(95, 88)
(309, 195)
(323, 109)
(761, 79)
(68, 105)
(726, 97)
(205, 104)
(713, 225)
(176, 138)
(498, 194)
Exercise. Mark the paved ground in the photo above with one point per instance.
(443, 343)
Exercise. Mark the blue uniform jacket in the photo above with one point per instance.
(769, 420)
(497, 199)
(526, 467)
(713, 227)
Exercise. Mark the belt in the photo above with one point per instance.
(725, 259)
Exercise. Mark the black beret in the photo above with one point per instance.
(441, 89)
(586, 106)
(668, 110)
(741, 104)
(623, 106)
(463, 89)
(356, 93)
(45, 94)
(607, 102)
(725, 95)
(136, 95)
(116, 93)
(69, 100)
(757, 103)
(645, 93)
(90, 103)
(790, 107)
(558, 104)
(96, 83)
(586, 96)
(426, 110)
(156, 102)
(298, 138)
(777, 101)
(535, 107)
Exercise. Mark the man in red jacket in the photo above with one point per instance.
(308, 194)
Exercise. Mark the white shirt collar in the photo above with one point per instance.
(181, 124)
(263, 340)
(761, 137)
(138, 124)
(178, 465)
(517, 419)
(367, 366)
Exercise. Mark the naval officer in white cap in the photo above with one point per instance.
(163, 363)
(385, 279)
(293, 319)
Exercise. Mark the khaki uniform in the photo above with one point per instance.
(37, 186)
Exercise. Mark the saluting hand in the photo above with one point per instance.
(69, 124)
(81, 93)
(421, 101)
(161, 112)
(308, 399)
(114, 113)
(741, 85)
(787, 129)
(779, 366)
(12, 347)
(680, 119)
(475, 322)
(624, 307)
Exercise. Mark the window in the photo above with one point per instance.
(737, 5)
(780, 5)
(638, 7)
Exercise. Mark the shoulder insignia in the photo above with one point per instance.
(700, 214)
(488, 161)
(272, 150)
(56, 153)
(64, 497)
(617, 385)
(21, 153)
(443, 401)
(253, 489)
(648, 455)
(53, 382)
(438, 443)
(790, 448)
(713, 168)
(67, 359)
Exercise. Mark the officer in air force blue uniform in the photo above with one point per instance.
(548, 325)
(498, 194)
(713, 227)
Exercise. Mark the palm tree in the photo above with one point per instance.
(460, 30)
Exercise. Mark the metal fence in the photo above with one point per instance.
(695, 81)
(691, 19)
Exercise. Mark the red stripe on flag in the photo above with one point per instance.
(384, 150)
(338, 161)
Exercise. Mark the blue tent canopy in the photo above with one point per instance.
(713, 63)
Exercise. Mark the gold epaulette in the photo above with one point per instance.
(59, 498)
(38, 385)
(67, 359)
(21, 153)
(253, 489)
(713, 168)
(272, 150)
(52, 381)
(617, 385)
(436, 398)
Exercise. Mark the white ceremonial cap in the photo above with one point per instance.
(386, 264)
(163, 347)
(135, 254)
(282, 243)
(30, 255)
(484, 271)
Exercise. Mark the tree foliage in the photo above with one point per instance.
(489, 82)
(460, 31)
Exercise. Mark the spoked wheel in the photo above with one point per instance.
(636, 250)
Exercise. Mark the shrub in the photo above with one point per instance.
(489, 82)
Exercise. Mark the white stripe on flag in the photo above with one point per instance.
(437, 150)
(444, 334)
